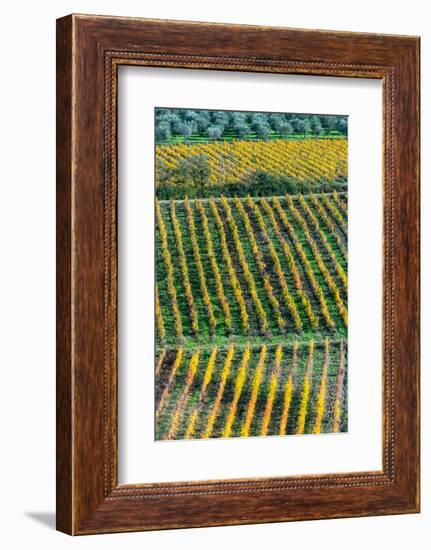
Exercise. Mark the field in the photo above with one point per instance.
(251, 390)
(251, 316)
(306, 160)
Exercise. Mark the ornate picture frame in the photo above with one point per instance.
(89, 51)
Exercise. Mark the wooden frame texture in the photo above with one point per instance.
(89, 51)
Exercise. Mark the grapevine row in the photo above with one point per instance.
(184, 269)
(207, 379)
(317, 256)
(340, 203)
(335, 213)
(222, 384)
(214, 267)
(257, 251)
(263, 321)
(339, 269)
(159, 316)
(306, 387)
(321, 399)
(277, 265)
(272, 391)
(198, 261)
(236, 287)
(239, 384)
(258, 374)
(292, 264)
(181, 403)
(330, 225)
(306, 263)
(288, 391)
(170, 271)
(339, 395)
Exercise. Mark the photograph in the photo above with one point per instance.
(251, 273)
(214, 239)
(213, 221)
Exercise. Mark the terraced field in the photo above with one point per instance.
(251, 316)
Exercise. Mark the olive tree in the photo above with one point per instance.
(306, 127)
(194, 169)
(163, 131)
(214, 132)
(285, 129)
(263, 130)
(242, 129)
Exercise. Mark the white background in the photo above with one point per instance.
(27, 219)
(141, 458)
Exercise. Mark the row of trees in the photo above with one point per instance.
(214, 124)
(191, 178)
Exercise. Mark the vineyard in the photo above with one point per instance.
(251, 274)
(251, 390)
(251, 316)
(251, 268)
(307, 160)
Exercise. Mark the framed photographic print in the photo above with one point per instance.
(237, 274)
(236, 249)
